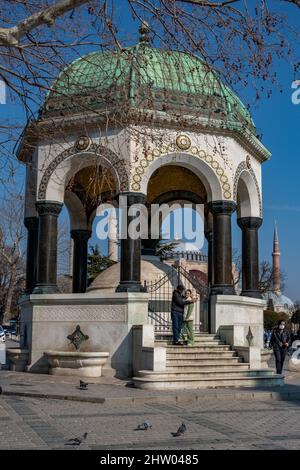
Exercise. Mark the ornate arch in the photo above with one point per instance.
(100, 151)
(246, 166)
(172, 149)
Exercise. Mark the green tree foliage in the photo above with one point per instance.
(163, 249)
(296, 317)
(271, 318)
(97, 263)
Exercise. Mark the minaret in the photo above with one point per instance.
(113, 245)
(276, 262)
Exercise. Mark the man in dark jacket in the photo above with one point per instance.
(280, 341)
(177, 310)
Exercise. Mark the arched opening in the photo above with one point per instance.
(200, 175)
(86, 189)
(249, 220)
(248, 196)
(175, 199)
(64, 167)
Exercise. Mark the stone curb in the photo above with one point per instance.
(176, 399)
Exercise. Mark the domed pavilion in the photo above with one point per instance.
(154, 126)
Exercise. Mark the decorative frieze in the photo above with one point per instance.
(167, 149)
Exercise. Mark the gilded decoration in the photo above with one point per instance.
(183, 142)
(82, 143)
(193, 150)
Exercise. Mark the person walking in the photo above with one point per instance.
(280, 341)
(177, 310)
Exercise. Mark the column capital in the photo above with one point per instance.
(49, 207)
(249, 222)
(222, 207)
(133, 198)
(31, 223)
(81, 234)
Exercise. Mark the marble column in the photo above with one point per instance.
(130, 266)
(47, 247)
(222, 247)
(208, 232)
(80, 255)
(250, 262)
(32, 225)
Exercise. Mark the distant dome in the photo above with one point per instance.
(151, 271)
(186, 246)
(279, 300)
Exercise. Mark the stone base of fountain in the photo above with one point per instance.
(265, 357)
(17, 358)
(80, 364)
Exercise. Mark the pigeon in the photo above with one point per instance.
(144, 426)
(76, 441)
(181, 430)
(83, 385)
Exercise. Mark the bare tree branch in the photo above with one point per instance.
(295, 2)
(203, 3)
(11, 36)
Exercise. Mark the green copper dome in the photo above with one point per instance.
(146, 78)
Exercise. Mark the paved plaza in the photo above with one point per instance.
(43, 412)
(33, 423)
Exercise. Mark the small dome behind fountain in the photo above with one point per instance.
(152, 269)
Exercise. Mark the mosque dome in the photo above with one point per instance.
(143, 77)
(279, 300)
(183, 246)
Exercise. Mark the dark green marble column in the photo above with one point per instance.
(130, 269)
(80, 254)
(208, 232)
(222, 247)
(250, 262)
(47, 247)
(32, 225)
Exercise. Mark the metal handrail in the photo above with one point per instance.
(161, 320)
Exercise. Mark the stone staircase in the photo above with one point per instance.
(210, 363)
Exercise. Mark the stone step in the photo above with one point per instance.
(261, 380)
(204, 362)
(197, 343)
(184, 374)
(196, 333)
(198, 368)
(209, 348)
(197, 337)
(191, 355)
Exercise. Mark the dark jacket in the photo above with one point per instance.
(279, 337)
(178, 302)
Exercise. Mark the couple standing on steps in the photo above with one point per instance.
(182, 315)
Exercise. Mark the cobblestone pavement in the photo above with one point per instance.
(34, 423)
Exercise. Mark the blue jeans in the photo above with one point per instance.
(177, 319)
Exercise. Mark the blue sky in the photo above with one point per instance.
(279, 122)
